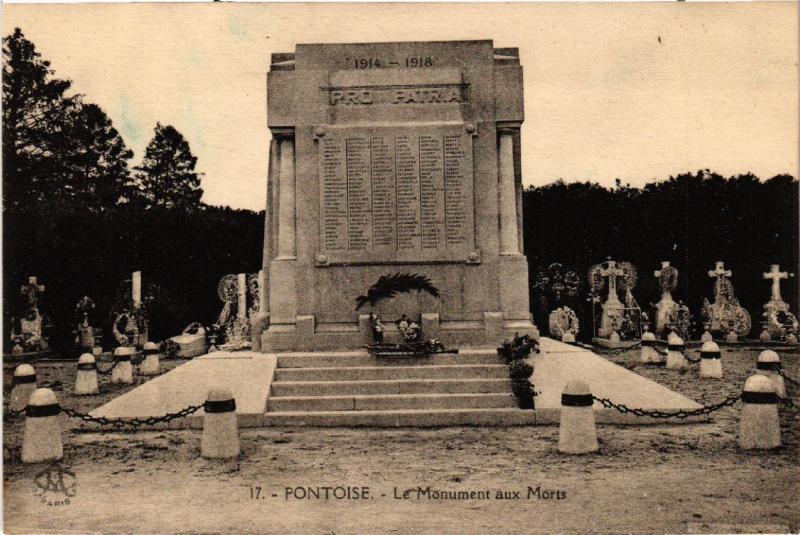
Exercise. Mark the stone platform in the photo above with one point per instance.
(247, 374)
(355, 389)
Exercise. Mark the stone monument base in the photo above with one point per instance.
(356, 389)
(306, 335)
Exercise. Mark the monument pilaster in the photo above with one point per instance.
(509, 241)
(282, 268)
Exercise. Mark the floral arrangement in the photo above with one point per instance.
(514, 353)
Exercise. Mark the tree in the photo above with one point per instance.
(96, 160)
(56, 148)
(34, 113)
(167, 176)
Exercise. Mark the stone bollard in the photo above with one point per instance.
(86, 378)
(123, 369)
(706, 337)
(675, 349)
(42, 438)
(24, 383)
(790, 339)
(710, 361)
(759, 426)
(220, 426)
(769, 365)
(577, 432)
(152, 363)
(765, 336)
(648, 351)
(568, 338)
(731, 337)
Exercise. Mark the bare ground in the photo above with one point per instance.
(666, 478)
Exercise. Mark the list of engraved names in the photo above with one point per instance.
(401, 193)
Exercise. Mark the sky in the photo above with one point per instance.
(635, 91)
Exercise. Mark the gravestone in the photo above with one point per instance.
(31, 327)
(129, 324)
(613, 309)
(725, 316)
(387, 158)
(620, 322)
(667, 281)
(85, 333)
(778, 321)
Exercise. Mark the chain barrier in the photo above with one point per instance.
(793, 382)
(621, 350)
(106, 371)
(135, 423)
(681, 413)
(12, 414)
(690, 360)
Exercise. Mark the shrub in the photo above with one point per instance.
(523, 390)
(519, 369)
(170, 349)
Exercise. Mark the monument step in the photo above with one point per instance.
(404, 386)
(390, 402)
(505, 416)
(362, 358)
(367, 373)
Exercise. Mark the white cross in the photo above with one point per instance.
(612, 272)
(776, 275)
(720, 271)
(32, 290)
(664, 266)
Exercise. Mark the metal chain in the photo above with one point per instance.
(620, 350)
(107, 371)
(793, 382)
(681, 413)
(690, 360)
(13, 414)
(135, 423)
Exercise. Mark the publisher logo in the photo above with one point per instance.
(55, 485)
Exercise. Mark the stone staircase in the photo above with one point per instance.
(356, 389)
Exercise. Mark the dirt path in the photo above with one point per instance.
(644, 479)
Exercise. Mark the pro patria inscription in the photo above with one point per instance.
(396, 194)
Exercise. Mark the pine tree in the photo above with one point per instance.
(96, 160)
(56, 148)
(34, 114)
(167, 176)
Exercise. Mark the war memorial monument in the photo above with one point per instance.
(394, 157)
(390, 163)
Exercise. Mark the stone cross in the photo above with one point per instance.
(612, 272)
(664, 266)
(776, 275)
(32, 291)
(720, 271)
(136, 289)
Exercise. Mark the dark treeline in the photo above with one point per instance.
(81, 218)
(77, 252)
(691, 220)
(78, 215)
